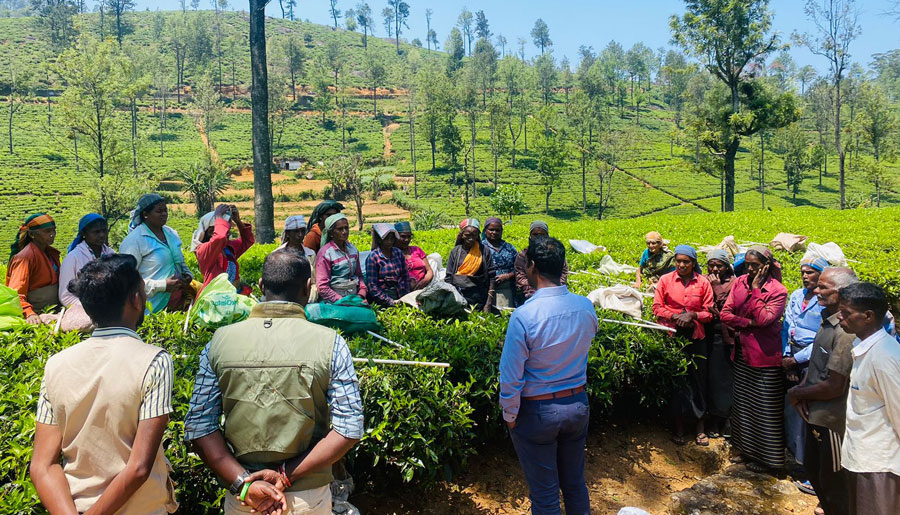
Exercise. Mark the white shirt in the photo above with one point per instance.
(71, 265)
(872, 439)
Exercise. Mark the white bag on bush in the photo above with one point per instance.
(610, 267)
(586, 247)
(788, 242)
(830, 252)
(728, 244)
(436, 262)
(621, 298)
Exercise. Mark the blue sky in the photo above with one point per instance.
(594, 22)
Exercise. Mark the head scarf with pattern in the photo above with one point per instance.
(767, 257)
(83, 224)
(144, 204)
(293, 223)
(35, 221)
(403, 227)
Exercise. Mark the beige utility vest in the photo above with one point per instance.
(96, 390)
(273, 370)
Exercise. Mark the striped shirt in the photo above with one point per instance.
(156, 386)
(342, 395)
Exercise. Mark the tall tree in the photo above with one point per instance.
(428, 13)
(431, 82)
(296, 58)
(511, 73)
(464, 22)
(335, 12)
(806, 75)
(387, 16)
(20, 85)
(501, 42)
(321, 83)
(335, 59)
(550, 148)
(566, 79)
(350, 19)
(878, 120)
(365, 20)
(179, 41)
(118, 8)
(456, 50)
(206, 106)
(836, 23)
(375, 74)
(540, 34)
(485, 67)
(56, 19)
(263, 202)
(432, 39)
(793, 145)
(545, 71)
(728, 35)
(401, 14)
(482, 27)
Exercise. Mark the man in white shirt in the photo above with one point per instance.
(871, 450)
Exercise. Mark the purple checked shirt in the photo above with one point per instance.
(546, 347)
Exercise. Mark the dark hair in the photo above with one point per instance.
(104, 285)
(865, 296)
(285, 272)
(548, 255)
(93, 225)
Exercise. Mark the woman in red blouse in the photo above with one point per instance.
(754, 309)
(683, 300)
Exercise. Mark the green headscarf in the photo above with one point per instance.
(329, 224)
(324, 206)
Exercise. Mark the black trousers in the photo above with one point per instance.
(823, 464)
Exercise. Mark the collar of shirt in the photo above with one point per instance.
(551, 291)
(832, 321)
(115, 332)
(278, 309)
(811, 303)
(861, 347)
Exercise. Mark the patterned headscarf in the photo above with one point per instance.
(35, 221)
(85, 221)
(144, 203)
(329, 224)
(814, 261)
(469, 222)
(206, 221)
(403, 227)
(768, 257)
(293, 223)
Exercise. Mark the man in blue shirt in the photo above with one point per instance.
(543, 370)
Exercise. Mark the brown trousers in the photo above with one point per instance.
(874, 493)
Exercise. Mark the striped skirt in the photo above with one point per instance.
(757, 412)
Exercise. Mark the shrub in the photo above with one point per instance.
(428, 219)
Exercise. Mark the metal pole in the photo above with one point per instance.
(392, 342)
(635, 324)
(401, 362)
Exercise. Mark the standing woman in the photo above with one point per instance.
(420, 272)
(325, 209)
(470, 268)
(338, 271)
(33, 269)
(719, 345)
(157, 248)
(503, 255)
(88, 245)
(216, 254)
(754, 309)
(683, 300)
(655, 261)
(386, 274)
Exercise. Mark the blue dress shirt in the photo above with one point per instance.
(801, 324)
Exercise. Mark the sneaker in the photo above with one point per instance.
(805, 487)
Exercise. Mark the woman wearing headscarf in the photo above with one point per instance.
(157, 248)
(503, 255)
(33, 269)
(88, 245)
(386, 276)
(683, 300)
(325, 209)
(754, 309)
(655, 261)
(292, 237)
(470, 268)
(338, 271)
(420, 272)
(719, 345)
(524, 291)
(216, 254)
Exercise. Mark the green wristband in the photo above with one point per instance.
(244, 491)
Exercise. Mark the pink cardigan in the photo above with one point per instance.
(760, 342)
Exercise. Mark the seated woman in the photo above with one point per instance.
(157, 249)
(503, 255)
(719, 344)
(216, 254)
(325, 209)
(420, 272)
(683, 300)
(293, 236)
(88, 245)
(33, 269)
(524, 291)
(386, 274)
(655, 261)
(470, 269)
(338, 271)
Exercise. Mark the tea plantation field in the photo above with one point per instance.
(422, 424)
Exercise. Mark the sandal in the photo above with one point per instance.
(819, 510)
(702, 440)
(714, 435)
(679, 439)
(759, 468)
(737, 458)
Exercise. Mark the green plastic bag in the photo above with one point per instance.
(11, 316)
(350, 315)
(219, 304)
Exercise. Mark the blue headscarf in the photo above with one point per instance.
(403, 226)
(687, 250)
(85, 221)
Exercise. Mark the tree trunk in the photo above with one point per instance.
(762, 168)
(263, 202)
(730, 154)
(49, 112)
(412, 148)
(75, 141)
(134, 135)
(837, 139)
(10, 125)
(234, 84)
(525, 128)
(374, 101)
(547, 200)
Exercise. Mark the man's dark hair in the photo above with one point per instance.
(104, 285)
(285, 272)
(865, 297)
(548, 256)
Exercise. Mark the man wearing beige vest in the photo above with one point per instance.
(289, 395)
(104, 405)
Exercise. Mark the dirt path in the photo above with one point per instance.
(632, 465)
(386, 132)
(212, 150)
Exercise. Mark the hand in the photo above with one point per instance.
(803, 410)
(33, 320)
(235, 215)
(173, 283)
(761, 277)
(792, 396)
(186, 281)
(788, 362)
(264, 498)
(273, 477)
(222, 210)
(637, 285)
(714, 280)
(685, 319)
(792, 376)
(421, 284)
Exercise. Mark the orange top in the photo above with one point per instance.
(313, 238)
(31, 269)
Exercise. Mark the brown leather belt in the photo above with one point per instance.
(556, 395)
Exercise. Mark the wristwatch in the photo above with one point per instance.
(235, 487)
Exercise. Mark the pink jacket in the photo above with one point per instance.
(761, 341)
